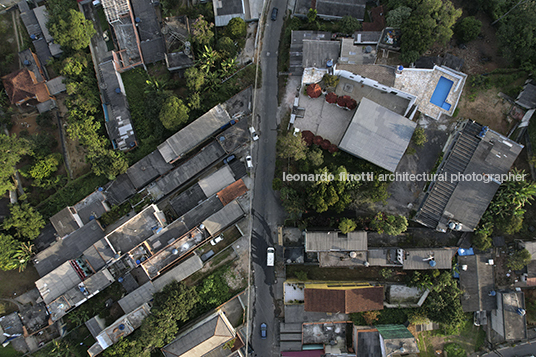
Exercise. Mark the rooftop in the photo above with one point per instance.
(473, 151)
(42, 49)
(148, 26)
(397, 339)
(427, 84)
(449, 61)
(477, 282)
(330, 334)
(91, 207)
(66, 221)
(334, 241)
(42, 18)
(30, 61)
(22, 86)
(317, 53)
(225, 10)
(223, 218)
(56, 85)
(421, 259)
(148, 169)
(124, 326)
(385, 256)
(70, 247)
(378, 135)
(527, 97)
(55, 283)
(128, 54)
(194, 134)
(216, 181)
(117, 115)
(367, 341)
(119, 190)
(232, 191)
(512, 326)
(187, 170)
(296, 47)
(339, 297)
(356, 54)
(332, 9)
(115, 9)
(34, 317)
(205, 336)
(98, 255)
(178, 60)
(180, 272)
(141, 295)
(140, 227)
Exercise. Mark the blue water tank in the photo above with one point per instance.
(26, 62)
(120, 280)
(132, 144)
(138, 261)
(33, 37)
(137, 19)
(91, 218)
(400, 68)
(222, 138)
(492, 293)
(118, 90)
(432, 263)
(100, 189)
(122, 327)
(329, 63)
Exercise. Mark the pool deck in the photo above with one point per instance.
(423, 82)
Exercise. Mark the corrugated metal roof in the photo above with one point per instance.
(334, 241)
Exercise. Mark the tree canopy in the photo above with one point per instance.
(293, 147)
(72, 30)
(347, 225)
(174, 113)
(226, 47)
(11, 151)
(467, 29)
(8, 248)
(519, 259)
(236, 28)
(202, 32)
(25, 221)
(349, 25)
(389, 224)
(396, 17)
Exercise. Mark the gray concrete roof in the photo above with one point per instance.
(119, 190)
(418, 258)
(179, 273)
(223, 218)
(334, 241)
(118, 121)
(368, 342)
(30, 21)
(95, 325)
(514, 326)
(378, 135)
(225, 10)
(56, 85)
(42, 18)
(194, 134)
(65, 222)
(152, 41)
(202, 338)
(91, 207)
(296, 47)
(136, 230)
(138, 297)
(148, 169)
(27, 56)
(316, 53)
(98, 254)
(57, 282)
(70, 247)
(216, 181)
(477, 282)
(178, 60)
(187, 170)
(332, 9)
(46, 106)
(187, 200)
(527, 97)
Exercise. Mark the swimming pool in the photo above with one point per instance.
(441, 93)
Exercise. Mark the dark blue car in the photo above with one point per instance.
(263, 330)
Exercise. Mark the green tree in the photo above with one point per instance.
(315, 157)
(482, 237)
(516, 34)
(226, 47)
(347, 225)
(202, 31)
(195, 79)
(311, 15)
(207, 59)
(23, 255)
(419, 137)
(107, 162)
(292, 202)
(292, 147)
(25, 221)
(349, 25)
(11, 151)
(194, 101)
(519, 259)
(174, 113)
(42, 144)
(45, 120)
(331, 80)
(467, 29)
(75, 65)
(236, 28)
(397, 17)
(443, 304)
(72, 30)
(45, 167)
(389, 224)
(8, 248)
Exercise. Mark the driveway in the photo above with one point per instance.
(266, 211)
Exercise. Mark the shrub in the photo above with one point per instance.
(347, 225)
(419, 137)
(301, 275)
(371, 317)
(467, 29)
(454, 350)
(519, 259)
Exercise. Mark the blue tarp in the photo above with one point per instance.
(462, 252)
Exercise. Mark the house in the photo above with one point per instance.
(151, 40)
(509, 320)
(209, 334)
(176, 61)
(527, 97)
(225, 10)
(296, 47)
(342, 297)
(438, 90)
(22, 87)
(331, 9)
(352, 53)
(396, 340)
(30, 61)
(378, 135)
(473, 167)
(320, 53)
(116, 113)
(122, 327)
(477, 281)
(335, 241)
(425, 259)
(331, 335)
(531, 267)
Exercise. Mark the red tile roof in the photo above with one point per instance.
(234, 190)
(22, 86)
(347, 301)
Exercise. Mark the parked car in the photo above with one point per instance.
(254, 134)
(207, 255)
(216, 240)
(264, 331)
(270, 257)
(249, 161)
(229, 159)
(274, 13)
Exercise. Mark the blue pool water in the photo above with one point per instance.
(441, 93)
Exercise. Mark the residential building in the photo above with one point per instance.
(342, 297)
(477, 281)
(331, 9)
(509, 320)
(396, 340)
(474, 165)
(527, 97)
(225, 10)
(297, 48)
(335, 241)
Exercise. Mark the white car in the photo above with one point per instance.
(216, 240)
(254, 134)
(249, 161)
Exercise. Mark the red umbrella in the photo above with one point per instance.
(341, 101)
(331, 97)
(351, 104)
(307, 137)
(325, 144)
(314, 90)
(317, 140)
(333, 148)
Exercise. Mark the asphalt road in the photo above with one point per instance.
(518, 351)
(266, 210)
